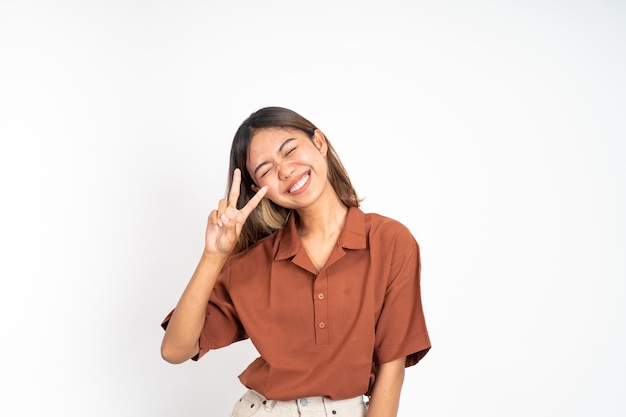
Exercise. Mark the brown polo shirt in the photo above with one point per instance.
(320, 333)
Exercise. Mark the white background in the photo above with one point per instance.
(494, 130)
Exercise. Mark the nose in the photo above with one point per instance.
(286, 171)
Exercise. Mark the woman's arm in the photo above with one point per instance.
(385, 397)
(181, 340)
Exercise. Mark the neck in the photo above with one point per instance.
(325, 221)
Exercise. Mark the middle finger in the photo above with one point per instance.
(233, 194)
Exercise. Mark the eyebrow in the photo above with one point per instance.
(280, 149)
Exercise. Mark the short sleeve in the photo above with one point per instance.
(401, 327)
(221, 324)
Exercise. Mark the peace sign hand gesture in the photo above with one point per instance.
(225, 223)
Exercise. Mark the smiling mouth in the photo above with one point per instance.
(299, 184)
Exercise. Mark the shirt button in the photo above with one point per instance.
(322, 324)
(320, 296)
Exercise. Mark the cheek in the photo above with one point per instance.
(321, 164)
(272, 186)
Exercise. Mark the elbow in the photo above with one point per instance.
(174, 355)
(169, 356)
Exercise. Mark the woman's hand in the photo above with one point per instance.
(225, 223)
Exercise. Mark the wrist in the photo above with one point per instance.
(213, 257)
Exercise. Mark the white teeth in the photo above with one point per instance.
(299, 184)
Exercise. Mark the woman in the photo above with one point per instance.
(329, 295)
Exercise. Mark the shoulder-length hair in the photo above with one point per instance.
(268, 216)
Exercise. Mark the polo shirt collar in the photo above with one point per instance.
(353, 235)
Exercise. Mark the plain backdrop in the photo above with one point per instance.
(495, 130)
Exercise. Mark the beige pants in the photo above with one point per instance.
(254, 404)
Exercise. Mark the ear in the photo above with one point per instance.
(255, 188)
(319, 140)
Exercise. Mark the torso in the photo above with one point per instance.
(317, 318)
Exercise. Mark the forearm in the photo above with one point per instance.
(180, 341)
(385, 398)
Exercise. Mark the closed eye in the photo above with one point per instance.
(290, 151)
(265, 172)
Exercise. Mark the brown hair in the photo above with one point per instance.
(268, 216)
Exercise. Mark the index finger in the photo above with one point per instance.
(254, 201)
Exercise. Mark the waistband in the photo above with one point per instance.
(302, 404)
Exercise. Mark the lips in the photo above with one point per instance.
(299, 183)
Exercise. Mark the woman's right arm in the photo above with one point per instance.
(181, 339)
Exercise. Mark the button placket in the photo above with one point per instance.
(320, 302)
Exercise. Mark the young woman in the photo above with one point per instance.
(329, 295)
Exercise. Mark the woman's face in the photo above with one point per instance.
(290, 164)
